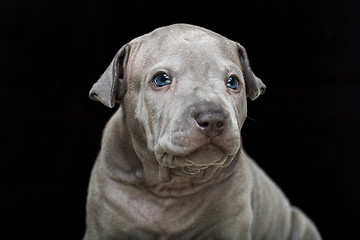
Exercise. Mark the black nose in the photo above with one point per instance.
(211, 122)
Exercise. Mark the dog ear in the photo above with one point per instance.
(112, 85)
(254, 86)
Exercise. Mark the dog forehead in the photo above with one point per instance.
(182, 41)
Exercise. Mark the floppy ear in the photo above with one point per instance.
(254, 86)
(112, 85)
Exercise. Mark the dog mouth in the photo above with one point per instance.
(198, 164)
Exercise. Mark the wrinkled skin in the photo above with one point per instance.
(171, 164)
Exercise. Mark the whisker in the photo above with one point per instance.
(251, 118)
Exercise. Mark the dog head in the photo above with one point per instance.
(184, 90)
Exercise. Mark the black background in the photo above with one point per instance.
(304, 131)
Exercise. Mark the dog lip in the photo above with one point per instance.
(177, 150)
(180, 149)
(190, 170)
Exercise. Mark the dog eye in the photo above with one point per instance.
(161, 80)
(232, 83)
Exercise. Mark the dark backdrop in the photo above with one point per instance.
(304, 131)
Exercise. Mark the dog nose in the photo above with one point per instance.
(211, 122)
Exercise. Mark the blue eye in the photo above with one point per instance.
(232, 83)
(162, 79)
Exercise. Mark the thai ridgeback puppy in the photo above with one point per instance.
(171, 164)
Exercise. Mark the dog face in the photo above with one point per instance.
(184, 91)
